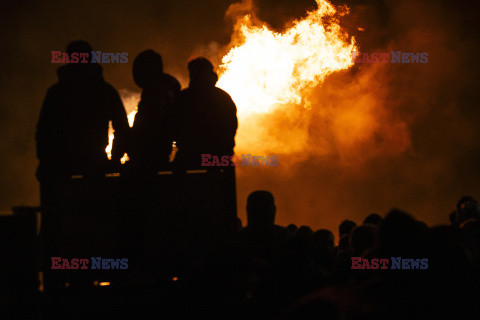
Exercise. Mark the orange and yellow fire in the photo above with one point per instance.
(266, 69)
(130, 102)
(268, 73)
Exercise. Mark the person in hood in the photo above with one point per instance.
(208, 117)
(154, 125)
(72, 132)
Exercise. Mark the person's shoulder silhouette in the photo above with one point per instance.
(154, 127)
(72, 131)
(208, 118)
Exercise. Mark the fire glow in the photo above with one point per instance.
(269, 72)
(266, 71)
(130, 101)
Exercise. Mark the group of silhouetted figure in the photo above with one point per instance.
(84, 213)
(262, 270)
(274, 272)
(266, 271)
(72, 131)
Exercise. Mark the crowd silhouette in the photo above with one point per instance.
(189, 256)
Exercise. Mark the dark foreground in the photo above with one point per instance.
(191, 264)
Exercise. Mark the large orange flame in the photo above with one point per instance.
(267, 71)
(270, 75)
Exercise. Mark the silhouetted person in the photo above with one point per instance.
(374, 219)
(362, 239)
(261, 210)
(265, 244)
(208, 117)
(151, 144)
(453, 218)
(300, 248)
(153, 129)
(344, 230)
(72, 135)
(304, 232)
(261, 234)
(462, 201)
(292, 228)
(467, 210)
(323, 249)
(401, 235)
(343, 251)
(346, 227)
(72, 132)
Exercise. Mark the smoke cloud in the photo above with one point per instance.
(384, 135)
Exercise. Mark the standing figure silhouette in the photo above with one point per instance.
(71, 137)
(72, 131)
(153, 129)
(208, 117)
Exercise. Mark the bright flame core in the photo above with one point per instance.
(266, 69)
(270, 76)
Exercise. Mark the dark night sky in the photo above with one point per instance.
(439, 103)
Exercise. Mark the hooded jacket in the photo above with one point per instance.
(72, 132)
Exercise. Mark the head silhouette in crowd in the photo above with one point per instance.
(467, 209)
(147, 68)
(324, 244)
(400, 234)
(363, 238)
(346, 227)
(373, 219)
(292, 228)
(80, 46)
(260, 209)
(344, 230)
(201, 73)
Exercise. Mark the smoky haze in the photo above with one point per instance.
(415, 147)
